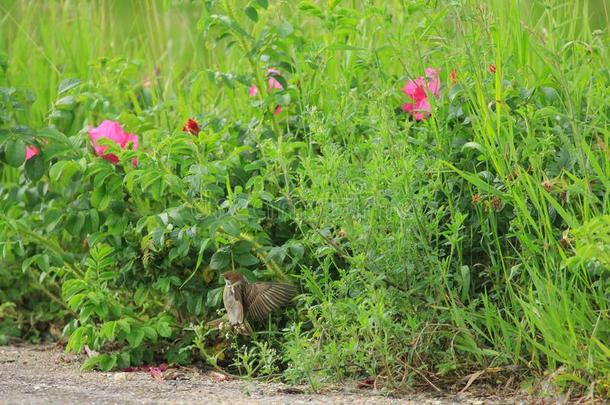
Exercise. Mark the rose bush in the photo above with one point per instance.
(129, 256)
(465, 231)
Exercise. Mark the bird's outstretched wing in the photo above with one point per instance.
(265, 297)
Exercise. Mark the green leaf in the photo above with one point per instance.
(124, 325)
(246, 259)
(43, 262)
(231, 226)
(474, 145)
(107, 330)
(79, 338)
(99, 198)
(135, 337)
(63, 171)
(164, 329)
(251, 13)
(465, 277)
(67, 84)
(150, 333)
(213, 297)
(34, 168)
(91, 363)
(57, 137)
(220, 260)
(311, 9)
(262, 3)
(75, 301)
(107, 362)
(296, 249)
(285, 29)
(284, 99)
(66, 103)
(242, 246)
(15, 153)
(477, 181)
(550, 94)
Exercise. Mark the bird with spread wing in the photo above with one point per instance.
(251, 301)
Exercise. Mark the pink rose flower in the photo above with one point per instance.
(31, 151)
(416, 90)
(272, 82)
(114, 131)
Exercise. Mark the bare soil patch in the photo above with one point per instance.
(44, 374)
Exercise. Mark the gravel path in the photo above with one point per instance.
(43, 374)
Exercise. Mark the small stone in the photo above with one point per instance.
(120, 377)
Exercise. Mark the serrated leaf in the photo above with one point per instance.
(150, 333)
(231, 226)
(135, 337)
(108, 330)
(124, 325)
(75, 301)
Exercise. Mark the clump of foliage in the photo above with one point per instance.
(463, 231)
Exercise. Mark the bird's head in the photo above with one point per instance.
(232, 277)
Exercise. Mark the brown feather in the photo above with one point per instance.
(260, 299)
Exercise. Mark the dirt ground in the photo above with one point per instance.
(44, 374)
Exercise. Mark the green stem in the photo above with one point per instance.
(263, 92)
(54, 246)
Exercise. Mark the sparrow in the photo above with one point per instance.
(244, 300)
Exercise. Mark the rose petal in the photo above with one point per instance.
(31, 151)
(434, 83)
(114, 131)
(156, 373)
(191, 126)
(415, 89)
(273, 83)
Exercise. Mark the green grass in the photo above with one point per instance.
(470, 240)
